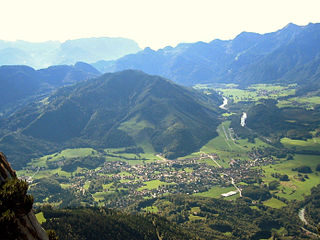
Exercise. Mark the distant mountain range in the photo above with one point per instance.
(123, 109)
(290, 55)
(20, 83)
(44, 54)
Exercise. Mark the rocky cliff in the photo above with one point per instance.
(17, 220)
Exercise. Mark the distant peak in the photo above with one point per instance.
(148, 49)
(291, 26)
(245, 34)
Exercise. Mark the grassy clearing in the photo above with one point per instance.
(188, 170)
(133, 127)
(154, 184)
(135, 159)
(257, 92)
(310, 144)
(125, 174)
(307, 102)
(193, 218)
(107, 186)
(215, 192)
(151, 209)
(295, 188)
(44, 173)
(195, 210)
(100, 196)
(274, 203)
(70, 153)
(227, 147)
(86, 185)
(41, 219)
(65, 185)
(252, 93)
(64, 154)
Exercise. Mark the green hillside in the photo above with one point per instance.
(123, 109)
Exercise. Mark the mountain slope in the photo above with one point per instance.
(249, 58)
(122, 109)
(22, 82)
(100, 224)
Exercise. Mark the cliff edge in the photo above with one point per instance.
(17, 220)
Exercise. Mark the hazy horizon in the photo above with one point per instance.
(150, 23)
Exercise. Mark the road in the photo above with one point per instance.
(233, 183)
(212, 158)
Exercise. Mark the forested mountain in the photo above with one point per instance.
(101, 224)
(44, 54)
(249, 58)
(128, 108)
(19, 83)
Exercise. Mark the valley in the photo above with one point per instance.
(120, 177)
(217, 140)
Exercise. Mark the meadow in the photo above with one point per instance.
(252, 93)
(296, 188)
(227, 147)
(312, 144)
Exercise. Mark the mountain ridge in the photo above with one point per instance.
(248, 58)
(21, 82)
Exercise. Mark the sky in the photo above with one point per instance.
(151, 23)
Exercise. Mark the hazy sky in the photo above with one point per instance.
(149, 22)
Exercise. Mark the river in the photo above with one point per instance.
(223, 105)
(243, 119)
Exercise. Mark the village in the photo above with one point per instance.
(119, 184)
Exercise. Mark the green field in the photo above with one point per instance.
(64, 154)
(274, 203)
(252, 93)
(154, 184)
(135, 159)
(193, 218)
(295, 188)
(307, 102)
(40, 217)
(65, 185)
(130, 158)
(227, 147)
(100, 196)
(215, 192)
(151, 209)
(309, 144)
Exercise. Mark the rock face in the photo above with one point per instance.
(21, 219)
(6, 171)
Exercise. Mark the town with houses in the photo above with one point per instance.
(119, 184)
